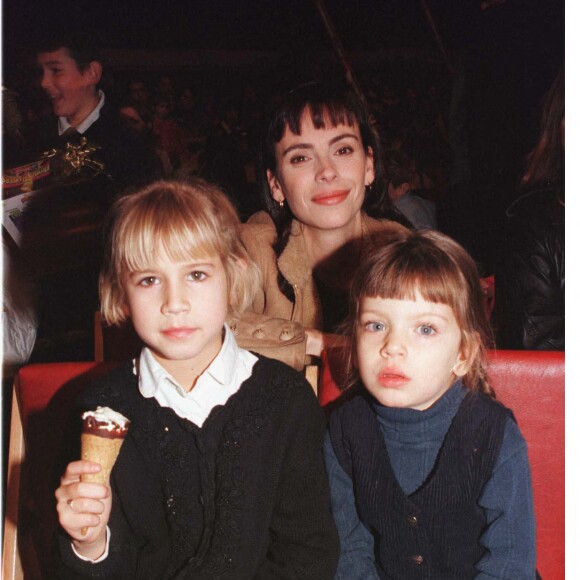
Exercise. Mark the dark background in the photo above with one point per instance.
(277, 25)
(517, 43)
(503, 59)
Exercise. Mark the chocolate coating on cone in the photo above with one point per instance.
(104, 429)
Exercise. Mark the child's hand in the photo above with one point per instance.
(84, 505)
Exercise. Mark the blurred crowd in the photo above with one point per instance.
(194, 128)
(186, 125)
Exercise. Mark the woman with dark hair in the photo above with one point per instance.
(532, 286)
(322, 183)
(545, 163)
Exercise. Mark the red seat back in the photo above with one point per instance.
(45, 394)
(531, 383)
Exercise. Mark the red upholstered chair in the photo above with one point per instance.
(42, 398)
(531, 383)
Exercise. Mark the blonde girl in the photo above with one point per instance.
(221, 474)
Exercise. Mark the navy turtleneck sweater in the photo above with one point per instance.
(413, 439)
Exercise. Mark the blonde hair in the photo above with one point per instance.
(187, 220)
(440, 270)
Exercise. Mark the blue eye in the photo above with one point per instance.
(374, 326)
(426, 330)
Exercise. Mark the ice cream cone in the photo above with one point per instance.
(102, 436)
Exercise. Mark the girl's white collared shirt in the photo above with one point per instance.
(223, 378)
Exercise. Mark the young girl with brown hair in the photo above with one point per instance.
(429, 473)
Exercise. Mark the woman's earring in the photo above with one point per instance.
(281, 203)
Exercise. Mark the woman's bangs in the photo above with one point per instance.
(323, 115)
(333, 114)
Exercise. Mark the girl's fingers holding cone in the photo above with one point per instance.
(83, 509)
(80, 504)
(77, 468)
(86, 505)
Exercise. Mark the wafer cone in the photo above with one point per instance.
(101, 450)
(103, 434)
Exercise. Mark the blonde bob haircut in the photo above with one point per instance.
(188, 221)
(435, 267)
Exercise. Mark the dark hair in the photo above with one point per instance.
(545, 163)
(399, 167)
(328, 103)
(441, 271)
(82, 47)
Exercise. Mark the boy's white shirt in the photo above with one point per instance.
(222, 379)
(63, 124)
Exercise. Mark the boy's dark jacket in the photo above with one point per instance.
(127, 159)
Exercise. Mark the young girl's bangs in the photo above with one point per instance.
(183, 235)
(405, 279)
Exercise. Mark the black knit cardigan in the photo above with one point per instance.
(244, 496)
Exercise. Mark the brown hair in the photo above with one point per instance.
(193, 219)
(545, 163)
(441, 271)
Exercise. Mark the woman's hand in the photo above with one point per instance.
(84, 505)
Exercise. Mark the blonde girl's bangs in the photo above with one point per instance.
(141, 244)
(183, 230)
